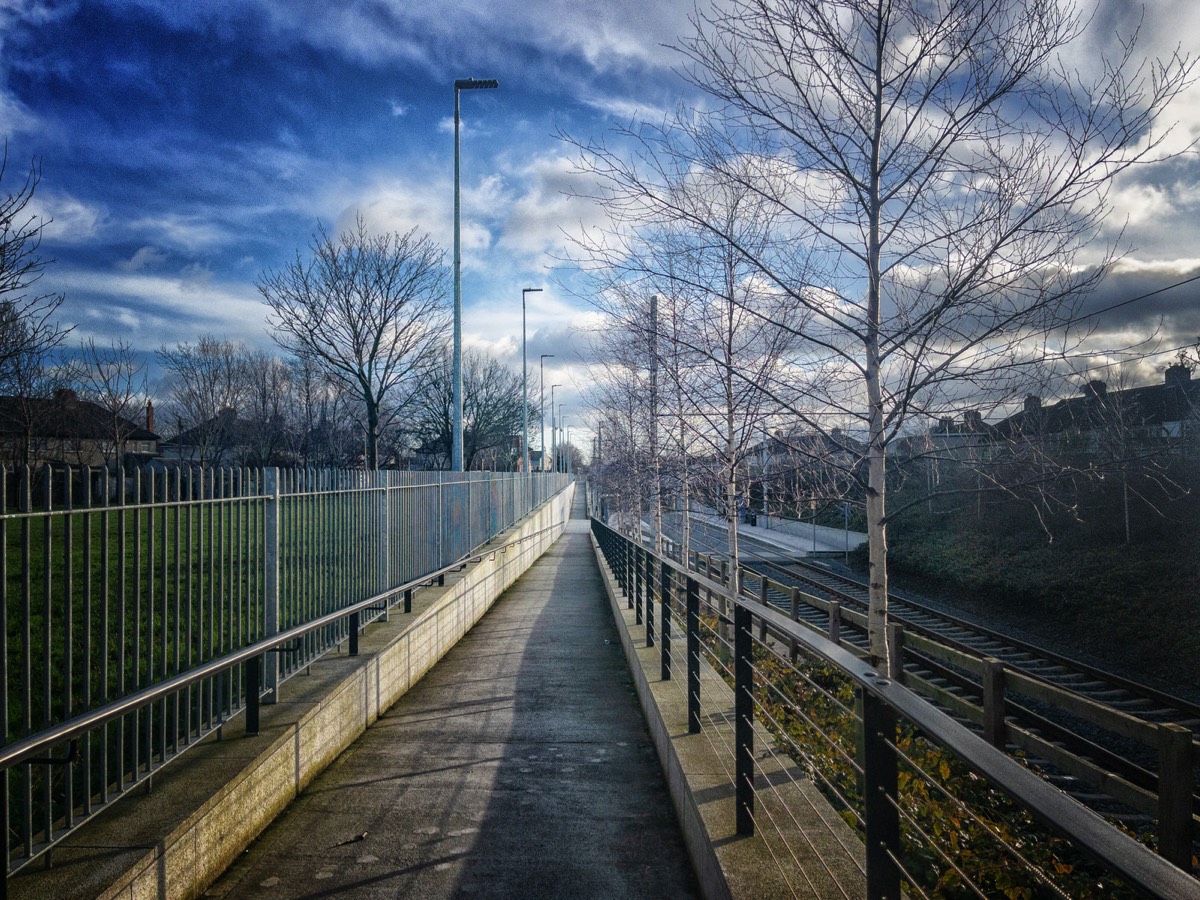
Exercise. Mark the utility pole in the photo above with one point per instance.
(657, 486)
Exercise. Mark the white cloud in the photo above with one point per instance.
(150, 310)
(145, 258)
(66, 219)
(186, 232)
(547, 215)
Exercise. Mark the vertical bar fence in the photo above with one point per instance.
(115, 581)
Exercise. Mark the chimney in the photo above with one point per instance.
(1178, 375)
(972, 420)
(65, 395)
(1095, 389)
(149, 415)
(946, 425)
(1032, 404)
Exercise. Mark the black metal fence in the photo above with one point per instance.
(114, 586)
(941, 812)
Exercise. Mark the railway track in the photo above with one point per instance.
(1095, 734)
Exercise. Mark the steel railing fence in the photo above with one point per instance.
(940, 811)
(114, 582)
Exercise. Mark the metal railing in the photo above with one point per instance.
(941, 811)
(142, 609)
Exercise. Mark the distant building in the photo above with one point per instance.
(64, 430)
(1162, 416)
(227, 439)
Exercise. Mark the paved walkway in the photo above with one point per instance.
(520, 766)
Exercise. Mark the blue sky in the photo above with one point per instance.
(188, 146)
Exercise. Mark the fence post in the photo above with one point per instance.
(253, 691)
(637, 585)
(993, 702)
(441, 521)
(664, 628)
(880, 786)
(383, 564)
(693, 655)
(650, 599)
(794, 612)
(271, 580)
(895, 644)
(835, 622)
(762, 622)
(627, 570)
(1175, 794)
(743, 712)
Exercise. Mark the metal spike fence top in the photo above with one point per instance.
(113, 581)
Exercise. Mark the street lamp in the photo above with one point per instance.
(553, 430)
(559, 462)
(525, 384)
(456, 441)
(542, 402)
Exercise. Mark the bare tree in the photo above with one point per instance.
(114, 379)
(370, 309)
(264, 414)
(322, 418)
(941, 167)
(711, 325)
(205, 385)
(491, 410)
(28, 331)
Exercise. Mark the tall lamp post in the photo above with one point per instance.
(542, 401)
(525, 384)
(553, 430)
(456, 440)
(559, 460)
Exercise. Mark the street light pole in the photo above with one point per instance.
(456, 438)
(560, 460)
(542, 402)
(553, 430)
(525, 385)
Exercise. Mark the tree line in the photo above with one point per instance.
(363, 376)
(883, 214)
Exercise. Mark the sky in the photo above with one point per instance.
(187, 147)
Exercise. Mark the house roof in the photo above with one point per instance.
(225, 428)
(64, 417)
(1139, 407)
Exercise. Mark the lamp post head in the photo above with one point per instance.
(472, 84)
(525, 291)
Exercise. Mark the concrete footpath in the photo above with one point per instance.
(520, 766)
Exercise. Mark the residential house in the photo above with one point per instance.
(65, 430)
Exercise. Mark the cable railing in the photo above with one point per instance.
(143, 609)
(939, 810)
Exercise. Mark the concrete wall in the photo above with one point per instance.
(207, 807)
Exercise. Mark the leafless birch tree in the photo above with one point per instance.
(940, 164)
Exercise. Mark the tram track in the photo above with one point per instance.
(1095, 734)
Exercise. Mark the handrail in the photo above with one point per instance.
(18, 751)
(1123, 854)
